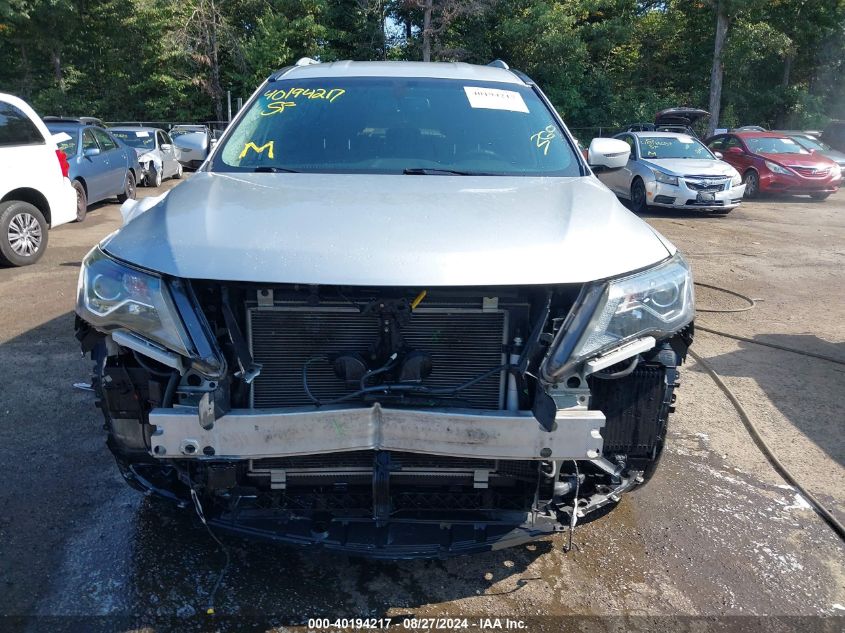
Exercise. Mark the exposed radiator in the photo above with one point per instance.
(635, 410)
(463, 343)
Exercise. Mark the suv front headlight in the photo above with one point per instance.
(736, 179)
(113, 296)
(657, 302)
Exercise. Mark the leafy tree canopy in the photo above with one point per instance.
(602, 62)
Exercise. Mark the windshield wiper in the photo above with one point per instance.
(431, 171)
(275, 170)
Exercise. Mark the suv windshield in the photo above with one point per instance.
(394, 125)
(673, 147)
(142, 139)
(773, 145)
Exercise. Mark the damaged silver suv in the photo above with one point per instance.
(394, 314)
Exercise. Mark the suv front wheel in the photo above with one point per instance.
(23, 233)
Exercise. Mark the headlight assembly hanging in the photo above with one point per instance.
(656, 302)
(113, 296)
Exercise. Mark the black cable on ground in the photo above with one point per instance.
(751, 304)
(209, 610)
(823, 512)
(829, 359)
(817, 506)
(228, 560)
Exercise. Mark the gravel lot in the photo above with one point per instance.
(715, 533)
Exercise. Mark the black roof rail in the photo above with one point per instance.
(280, 73)
(302, 61)
(499, 63)
(523, 76)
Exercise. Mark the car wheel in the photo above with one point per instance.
(752, 184)
(819, 196)
(638, 201)
(81, 201)
(128, 188)
(23, 233)
(178, 171)
(156, 178)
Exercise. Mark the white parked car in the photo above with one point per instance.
(35, 193)
(672, 170)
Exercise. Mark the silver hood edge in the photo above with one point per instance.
(385, 230)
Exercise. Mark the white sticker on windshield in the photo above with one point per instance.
(789, 141)
(495, 99)
(685, 139)
(142, 134)
(60, 137)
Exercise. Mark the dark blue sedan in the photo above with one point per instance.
(101, 166)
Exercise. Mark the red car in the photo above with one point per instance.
(773, 163)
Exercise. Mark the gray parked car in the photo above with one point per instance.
(677, 171)
(394, 314)
(812, 143)
(193, 143)
(156, 152)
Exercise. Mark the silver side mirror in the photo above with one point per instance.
(91, 151)
(608, 153)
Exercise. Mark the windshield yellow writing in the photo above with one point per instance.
(258, 150)
(543, 138)
(275, 107)
(279, 100)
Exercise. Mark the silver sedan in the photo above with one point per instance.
(156, 154)
(677, 171)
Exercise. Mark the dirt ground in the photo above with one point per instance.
(715, 533)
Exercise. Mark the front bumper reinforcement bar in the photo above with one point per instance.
(259, 433)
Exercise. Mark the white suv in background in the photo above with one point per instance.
(35, 193)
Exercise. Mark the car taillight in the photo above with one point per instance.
(63, 162)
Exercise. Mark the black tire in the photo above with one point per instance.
(154, 178)
(752, 184)
(129, 190)
(23, 233)
(178, 174)
(821, 195)
(81, 201)
(638, 198)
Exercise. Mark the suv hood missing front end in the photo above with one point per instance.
(352, 229)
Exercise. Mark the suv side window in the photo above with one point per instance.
(105, 140)
(88, 140)
(733, 141)
(16, 128)
(162, 139)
